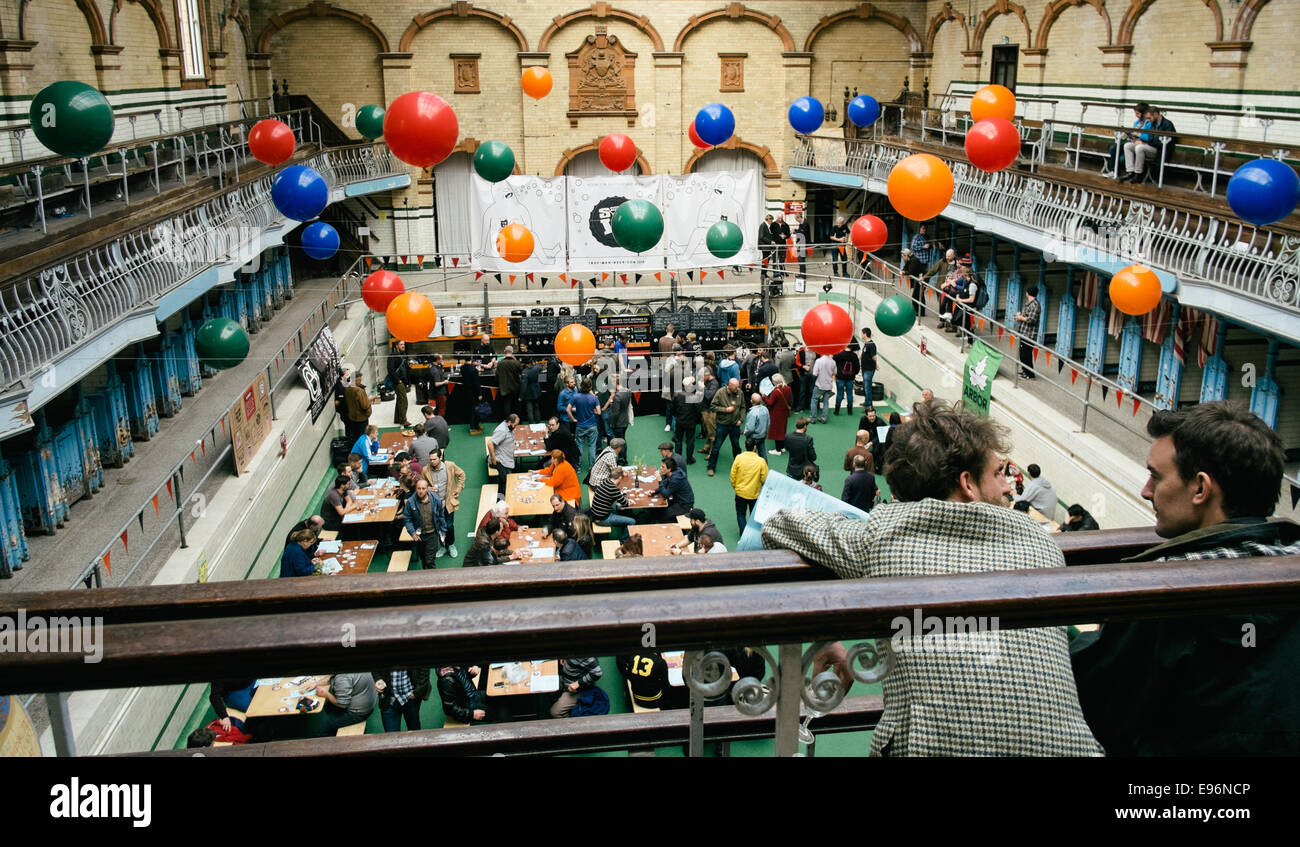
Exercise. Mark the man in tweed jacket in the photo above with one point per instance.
(1021, 700)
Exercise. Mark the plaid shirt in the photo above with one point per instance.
(955, 703)
(402, 688)
(1029, 326)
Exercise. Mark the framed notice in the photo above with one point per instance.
(250, 422)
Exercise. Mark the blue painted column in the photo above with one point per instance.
(1014, 286)
(1130, 355)
(13, 538)
(89, 438)
(141, 401)
(1267, 396)
(40, 496)
(1043, 298)
(1170, 374)
(1065, 319)
(112, 420)
(1214, 381)
(1095, 357)
(191, 375)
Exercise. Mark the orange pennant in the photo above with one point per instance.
(1035, 354)
(512, 279)
(981, 324)
(419, 260)
(1049, 356)
(659, 276)
(108, 564)
(155, 505)
(169, 492)
(369, 260)
(604, 276)
(720, 276)
(1074, 376)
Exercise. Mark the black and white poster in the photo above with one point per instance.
(592, 203)
(695, 202)
(319, 368)
(535, 202)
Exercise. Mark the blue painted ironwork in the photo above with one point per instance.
(1130, 355)
(1095, 357)
(40, 495)
(112, 417)
(88, 438)
(141, 401)
(13, 538)
(1267, 396)
(1065, 316)
(167, 383)
(189, 372)
(1169, 375)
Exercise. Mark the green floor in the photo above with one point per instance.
(714, 495)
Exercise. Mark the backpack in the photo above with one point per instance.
(237, 734)
(981, 297)
(593, 701)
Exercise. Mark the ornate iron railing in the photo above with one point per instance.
(1197, 247)
(56, 308)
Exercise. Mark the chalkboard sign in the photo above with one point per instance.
(539, 325)
(709, 321)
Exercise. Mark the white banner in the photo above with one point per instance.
(695, 202)
(592, 201)
(535, 202)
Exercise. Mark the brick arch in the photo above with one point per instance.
(573, 153)
(1139, 7)
(240, 17)
(601, 11)
(865, 12)
(736, 11)
(459, 10)
(945, 14)
(737, 143)
(319, 9)
(1245, 21)
(152, 8)
(468, 146)
(90, 11)
(999, 8)
(1054, 10)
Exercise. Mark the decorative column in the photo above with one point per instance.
(259, 75)
(672, 144)
(537, 157)
(108, 63)
(798, 83)
(1115, 60)
(218, 76)
(1228, 66)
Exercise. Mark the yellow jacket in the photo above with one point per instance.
(748, 473)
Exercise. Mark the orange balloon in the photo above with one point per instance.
(411, 317)
(515, 243)
(920, 186)
(1135, 290)
(575, 345)
(537, 82)
(993, 101)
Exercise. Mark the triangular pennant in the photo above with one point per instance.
(1074, 375)
(512, 279)
(419, 260)
(181, 469)
(765, 263)
(1001, 330)
(563, 278)
(623, 278)
(1295, 495)
(1035, 354)
(477, 274)
(1137, 401)
(403, 260)
(720, 276)
(169, 492)
(1119, 397)
(703, 274)
(369, 261)
(1049, 356)
(603, 277)
(690, 275)
(498, 276)
(203, 445)
(636, 278)
(155, 505)
(1105, 389)
(108, 564)
(593, 280)
(122, 538)
(637, 395)
(223, 425)
(659, 277)
(673, 274)
(1011, 339)
(140, 518)
(192, 459)
(545, 280)
(494, 392)
(528, 277)
(981, 320)
(451, 386)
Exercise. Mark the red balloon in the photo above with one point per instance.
(869, 233)
(271, 141)
(382, 288)
(695, 138)
(420, 128)
(992, 144)
(827, 329)
(617, 152)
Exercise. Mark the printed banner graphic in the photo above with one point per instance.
(695, 202)
(535, 202)
(592, 202)
(977, 385)
(319, 370)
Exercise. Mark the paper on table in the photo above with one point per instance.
(330, 566)
(675, 676)
(353, 517)
(542, 552)
(329, 546)
(537, 427)
(386, 502)
(545, 682)
(363, 497)
(270, 680)
(370, 545)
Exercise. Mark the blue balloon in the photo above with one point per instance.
(300, 193)
(863, 110)
(1264, 191)
(320, 240)
(806, 115)
(714, 124)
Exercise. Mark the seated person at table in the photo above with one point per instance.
(605, 498)
(1038, 491)
(480, 553)
(401, 691)
(402, 464)
(675, 488)
(367, 447)
(295, 561)
(566, 549)
(500, 512)
(231, 694)
(461, 699)
(666, 452)
(501, 551)
(356, 470)
(609, 458)
(706, 544)
(349, 699)
(631, 548)
(561, 516)
(576, 677)
(1079, 520)
(561, 476)
(583, 534)
(559, 438)
(315, 523)
(336, 504)
(647, 676)
(701, 525)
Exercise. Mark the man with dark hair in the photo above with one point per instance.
(561, 516)
(606, 496)
(1079, 520)
(399, 375)
(509, 380)
(401, 691)
(1038, 492)
(800, 449)
(559, 438)
(914, 269)
(582, 410)
(701, 525)
(501, 447)
(1027, 329)
(765, 242)
(729, 410)
(1215, 685)
(461, 699)
(675, 488)
(943, 699)
(426, 522)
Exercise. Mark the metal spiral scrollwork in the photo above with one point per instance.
(871, 661)
(1281, 282)
(753, 697)
(707, 674)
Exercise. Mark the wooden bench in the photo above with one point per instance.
(452, 723)
(399, 561)
(486, 498)
(352, 729)
(487, 449)
(405, 537)
(639, 710)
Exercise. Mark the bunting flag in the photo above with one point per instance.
(419, 260)
(169, 492)
(155, 506)
(981, 320)
(1155, 323)
(498, 276)
(1209, 338)
(1060, 364)
(636, 278)
(369, 260)
(203, 445)
(1047, 353)
(703, 274)
(545, 280)
(455, 261)
(223, 425)
(403, 260)
(477, 274)
(512, 279)
(451, 386)
(672, 274)
(1074, 375)
(690, 275)
(1035, 354)
(637, 395)
(720, 276)
(841, 249)
(1105, 389)
(140, 518)
(181, 470)
(764, 262)
(1089, 292)
(1011, 339)
(1115, 324)
(122, 537)
(108, 564)
(528, 277)
(565, 278)
(1295, 495)
(192, 459)
(1119, 397)
(603, 277)
(623, 278)
(494, 392)
(659, 276)
(1137, 401)
(1001, 329)
(592, 281)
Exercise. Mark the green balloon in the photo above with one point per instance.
(895, 315)
(494, 161)
(71, 118)
(637, 225)
(724, 239)
(221, 343)
(370, 121)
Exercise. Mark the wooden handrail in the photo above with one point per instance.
(550, 738)
(162, 652)
(290, 596)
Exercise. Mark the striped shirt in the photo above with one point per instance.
(603, 498)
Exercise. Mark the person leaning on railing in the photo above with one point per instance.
(1216, 685)
(949, 699)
